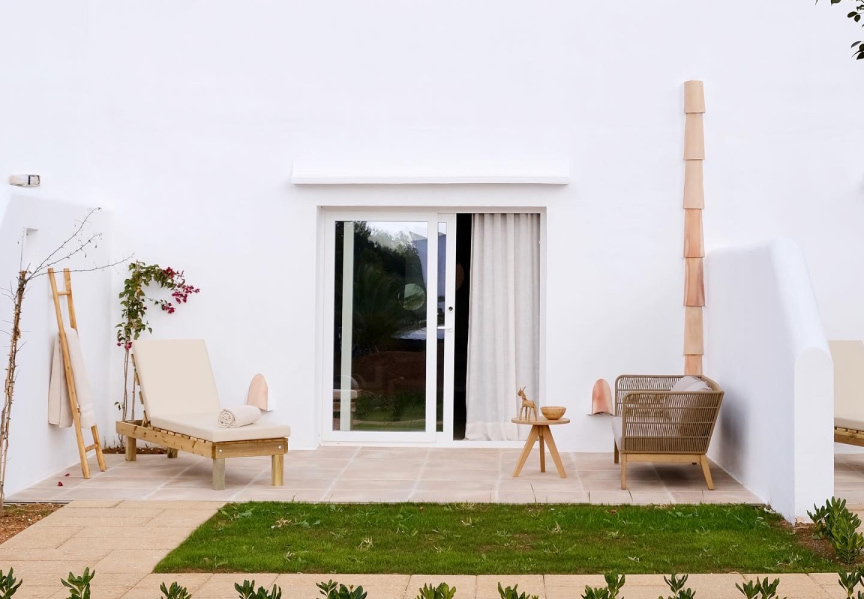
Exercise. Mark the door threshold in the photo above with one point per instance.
(430, 445)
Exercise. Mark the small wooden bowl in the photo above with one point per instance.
(552, 412)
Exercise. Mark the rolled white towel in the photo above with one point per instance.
(238, 416)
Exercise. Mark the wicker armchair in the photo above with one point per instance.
(652, 423)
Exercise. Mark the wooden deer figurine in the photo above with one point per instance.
(528, 406)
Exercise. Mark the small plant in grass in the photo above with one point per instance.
(676, 585)
(849, 580)
(614, 583)
(79, 586)
(513, 593)
(247, 591)
(175, 591)
(760, 589)
(839, 526)
(825, 517)
(847, 541)
(442, 591)
(8, 584)
(333, 590)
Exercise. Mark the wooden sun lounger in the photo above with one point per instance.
(217, 451)
(181, 409)
(848, 357)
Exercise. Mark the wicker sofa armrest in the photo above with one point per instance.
(669, 422)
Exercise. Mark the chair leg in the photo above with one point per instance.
(131, 449)
(706, 470)
(616, 453)
(172, 453)
(218, 474)
(277, 467)
(624, 471)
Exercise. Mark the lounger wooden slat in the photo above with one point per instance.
(848, 436)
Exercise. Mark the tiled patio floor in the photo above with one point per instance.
(123, 541)
(849, 478)
(368, 474)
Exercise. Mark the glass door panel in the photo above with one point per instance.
(384, 357)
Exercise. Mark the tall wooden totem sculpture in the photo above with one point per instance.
(694, 246)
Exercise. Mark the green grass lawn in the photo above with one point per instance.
(493, 539)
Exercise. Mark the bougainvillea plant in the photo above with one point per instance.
(134, 303)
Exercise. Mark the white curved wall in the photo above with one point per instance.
(36, 449)
(766, 347)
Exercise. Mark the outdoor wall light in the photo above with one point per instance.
(25, 180)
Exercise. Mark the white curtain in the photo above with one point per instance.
(504, 330)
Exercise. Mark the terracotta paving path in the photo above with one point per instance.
(124, 540)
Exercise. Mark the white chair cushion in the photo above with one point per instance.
(690, 383)
(617, 426)
(203, 425)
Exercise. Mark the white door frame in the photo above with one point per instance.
(449, 219)
(329, 214)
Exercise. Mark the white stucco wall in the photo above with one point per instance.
(185, 119)
(766, 344)
(196, 134)
(44, 131)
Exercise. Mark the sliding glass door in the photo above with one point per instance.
(388, 321)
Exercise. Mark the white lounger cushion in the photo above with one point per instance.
(204, 426)
(848, 359)
(176, 377)
(179, 392)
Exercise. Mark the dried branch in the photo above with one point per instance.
(91, 269)
(75, 235)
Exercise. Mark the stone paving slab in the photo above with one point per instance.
(124, 556)
(121, 541)
(375, 475)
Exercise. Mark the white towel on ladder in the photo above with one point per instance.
(59, 409)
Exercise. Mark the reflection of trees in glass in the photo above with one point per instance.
(384, 264)
(378, 314)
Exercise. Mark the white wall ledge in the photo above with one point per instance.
(462, 172)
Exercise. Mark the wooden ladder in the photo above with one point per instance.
(67, 368)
